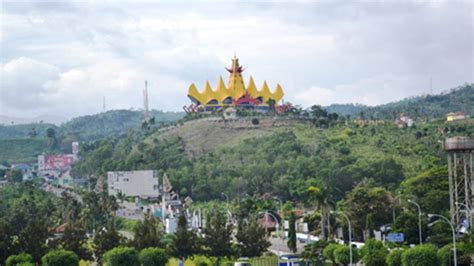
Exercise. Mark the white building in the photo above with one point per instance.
(142, 183)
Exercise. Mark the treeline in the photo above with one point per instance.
(420, 107)
(36, 226)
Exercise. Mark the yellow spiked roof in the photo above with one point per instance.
(235, 89)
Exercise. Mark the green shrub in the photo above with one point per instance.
(19, 259)
(445, 255)
(328, 252)
(342, 254)
(153, 257)
(394, 258)
(421, 255)
(121, 256)
(374, 253)
(60, 258)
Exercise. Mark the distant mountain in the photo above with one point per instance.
(426, 106)
(49, 119)
(109, 124)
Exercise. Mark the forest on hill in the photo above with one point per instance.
(420, 107)
(22, 143)
(358, 166)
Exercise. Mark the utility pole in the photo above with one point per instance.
(145, 101)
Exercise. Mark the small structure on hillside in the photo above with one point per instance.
(230, 113)
(403, 121)
(454, 116)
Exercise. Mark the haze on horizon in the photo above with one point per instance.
(61, 58)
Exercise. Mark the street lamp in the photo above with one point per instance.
(419, 219)
(452, 229)
(468, 211)
(281, 214)
(350, 233)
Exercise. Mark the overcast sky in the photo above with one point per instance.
(63, 57)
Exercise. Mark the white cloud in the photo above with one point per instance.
(321, 53)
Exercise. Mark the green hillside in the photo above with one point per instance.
(284, 160)
(113, 124)
(21, 150)
(24, 130)
(424, 107)
(24, 142)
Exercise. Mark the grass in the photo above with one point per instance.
(21, 150)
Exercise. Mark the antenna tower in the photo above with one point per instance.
(145, 101)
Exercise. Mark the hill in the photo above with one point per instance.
(205, 158)
(425, 107)
(17, 143)
(113, 124)
(21, 150)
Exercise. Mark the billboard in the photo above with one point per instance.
(55, 161)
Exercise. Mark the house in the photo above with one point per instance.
(454, 116)
(403, 121)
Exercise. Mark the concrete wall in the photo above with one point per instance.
(133, 183)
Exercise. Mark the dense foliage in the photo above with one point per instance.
(421, 255)
(121, 256)
(424, 107)
(60, 258)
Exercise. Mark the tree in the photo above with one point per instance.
(217, 237)
(52, 141)
(153, 257)
(407, 223)
(75, 240)
(15, 176)
(374, 253)
(121, 256)
(342, 254)
(421, 255)
(429, 189)
(18, 259)
(369, 208)
(313, 252)
(105, 240)
(446, 256)
(291, 243)
(33, 238)
(184, 243)
(328, 252)
(60, 258)
(394, 258)
(5, 239)
(252, 239)
(147, 232)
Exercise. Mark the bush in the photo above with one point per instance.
(19, 259)
(342, 254)
(121, 256)
(255, 121)
(328, 252)
(445, 255)
(374, 253)
(394, 258)
(153, 257)
(60, 258)
(421, 255)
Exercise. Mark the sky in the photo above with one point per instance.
(62, 58)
